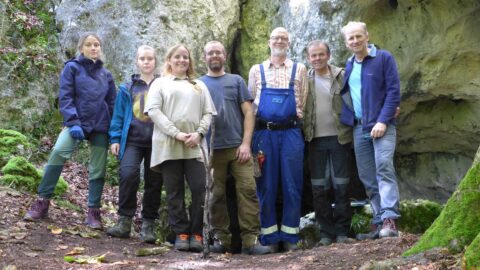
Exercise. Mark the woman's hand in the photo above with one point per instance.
(114, 148)
(193, 140)
(182, 136)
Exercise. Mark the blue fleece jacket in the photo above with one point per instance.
(380, 90)
(87, 95)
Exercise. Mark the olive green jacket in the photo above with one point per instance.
(345, 133)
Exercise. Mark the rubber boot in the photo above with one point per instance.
(147, 234)
(122, 228)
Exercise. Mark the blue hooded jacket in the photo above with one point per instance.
(123, 113)
(380, 92)
(87, 95)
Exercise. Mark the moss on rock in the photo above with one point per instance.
(458, 223)
(418, 216)
(472, 254)
(11, 143)
(18, 173)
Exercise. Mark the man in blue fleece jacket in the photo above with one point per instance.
(371, 95)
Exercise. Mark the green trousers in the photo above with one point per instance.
(63, 150)
(224, 162)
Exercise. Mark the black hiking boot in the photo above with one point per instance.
(122, 228)
(147, 234)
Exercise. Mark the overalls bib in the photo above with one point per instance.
(283, 151)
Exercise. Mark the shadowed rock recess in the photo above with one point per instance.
(435, 43)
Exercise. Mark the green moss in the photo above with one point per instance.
(472, 254)
(361, 220)
(18, 173)
(254, 34)
(457, 224)
(418, 216)
(11, 143)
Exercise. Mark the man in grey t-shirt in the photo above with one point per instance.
(234, 125)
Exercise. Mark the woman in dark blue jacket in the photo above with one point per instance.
(87, 96)
(131, 141)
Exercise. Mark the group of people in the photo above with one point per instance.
(259, 136)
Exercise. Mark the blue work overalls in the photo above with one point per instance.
(283, 151)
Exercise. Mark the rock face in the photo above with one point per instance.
(125, 25)
(435, 44)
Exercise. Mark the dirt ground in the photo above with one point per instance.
(45, 244)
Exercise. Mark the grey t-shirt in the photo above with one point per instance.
(325, 123)
(228, 92)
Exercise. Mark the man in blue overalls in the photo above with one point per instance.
(278, 87)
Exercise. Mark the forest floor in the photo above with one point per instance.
(63, 237)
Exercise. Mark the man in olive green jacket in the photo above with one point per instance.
(329, 146)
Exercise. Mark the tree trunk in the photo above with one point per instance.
(458, 225)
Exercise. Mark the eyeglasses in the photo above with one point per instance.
(214, 53)
(279, 38)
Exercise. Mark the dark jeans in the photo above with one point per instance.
(130, 180)
(330, 176)
(175, 172)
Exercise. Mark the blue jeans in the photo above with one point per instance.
(377, 173)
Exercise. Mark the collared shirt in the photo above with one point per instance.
(279, 77)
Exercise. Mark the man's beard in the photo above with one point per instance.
(215, 67)
(279, 51)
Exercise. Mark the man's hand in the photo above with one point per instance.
(114, 148)
(243, 153)
(193, 140)
(378, 130)
(77, 133)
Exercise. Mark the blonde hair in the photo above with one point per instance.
(167, 69)
(352, 24)
(82, 39)
(147, 48)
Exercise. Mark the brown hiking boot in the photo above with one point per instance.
(389, 229)
(94, 220)
(38, 210)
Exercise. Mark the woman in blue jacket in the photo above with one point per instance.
(131, 141)
(86, 98)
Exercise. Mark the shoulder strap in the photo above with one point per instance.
(262, 74)
(292, 77)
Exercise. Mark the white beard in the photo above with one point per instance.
(279, 52)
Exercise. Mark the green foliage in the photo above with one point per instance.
(457, 224)
(361, 220)
(111, 176)
(418, 215)
(472, 254)
(12, 143)
(69, 205)
(18, 173)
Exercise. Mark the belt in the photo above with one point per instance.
(357, 121)
(262, 124)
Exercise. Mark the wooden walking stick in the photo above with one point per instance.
(208, 187)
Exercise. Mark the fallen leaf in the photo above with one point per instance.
(62, 247)
(89, 235)
(57, 231)
(31, 254)
(85, 259)
(76, 251)
(19, 236)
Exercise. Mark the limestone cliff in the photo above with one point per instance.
(435, 43)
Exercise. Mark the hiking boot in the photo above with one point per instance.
(182, 242)
(374, 234)
(287, 246)
(325, 241)
(389, 229)
(196, 244)
(122, 228)
(342, 239)
(147, 234)
(218, 247)
(94, 220)
(38, 210)
(258, 249)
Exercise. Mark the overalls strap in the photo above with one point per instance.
(262, 74)
(292, 77)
